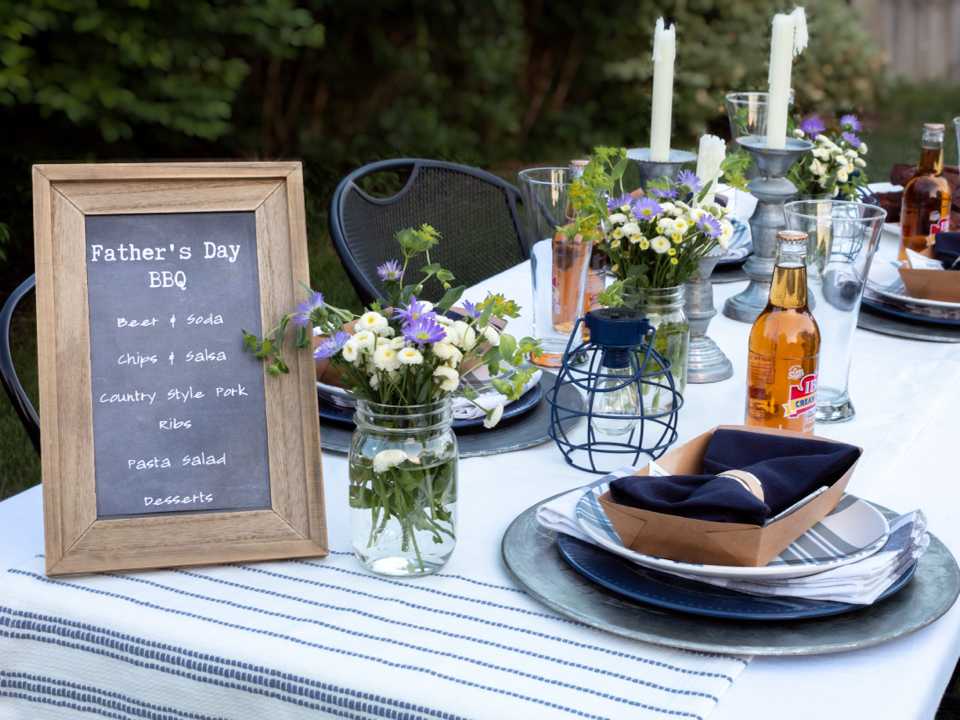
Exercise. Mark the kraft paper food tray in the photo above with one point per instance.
(941, 285)
(715, 543)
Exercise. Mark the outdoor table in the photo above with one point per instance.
(906, 394)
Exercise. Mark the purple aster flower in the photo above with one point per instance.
(709, 226)
(424, 330)
(331, 346)
(301, 315)
(813, 127)
(647, 209)
(852, 139)
(413, 312)
(665, 194)
(852, 122)
(690, 180)
(390, 270)
(620, 204)
(471, 309)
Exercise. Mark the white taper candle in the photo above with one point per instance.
(789, 38)
(664, 54)
(711, 154)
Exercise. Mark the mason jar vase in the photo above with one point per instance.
(403, 487)
(664, 310)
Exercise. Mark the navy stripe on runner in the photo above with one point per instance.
(504, 626)
(363, 656)
(458, 636)
(48, 687)
(400, 643)
(271, 687)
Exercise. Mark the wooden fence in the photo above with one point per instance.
(921, 37)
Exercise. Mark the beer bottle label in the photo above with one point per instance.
(781, 392)
(803, 395)
(938, 224)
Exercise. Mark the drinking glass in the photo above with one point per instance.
(559, 266)
(747, 112)
(843, 238)
(956, 126)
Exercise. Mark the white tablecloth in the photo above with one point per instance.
(907, 396)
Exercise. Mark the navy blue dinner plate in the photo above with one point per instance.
(337, 413)
(668, 591)
(883, 309)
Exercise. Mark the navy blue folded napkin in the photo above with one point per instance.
(788, 468)
(947, 249)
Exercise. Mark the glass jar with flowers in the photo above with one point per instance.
(403, 364)
(654, 243)
(835, 167)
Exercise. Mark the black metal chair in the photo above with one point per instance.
(8, 373)
(475, 213)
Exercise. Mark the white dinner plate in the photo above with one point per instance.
(852, 531)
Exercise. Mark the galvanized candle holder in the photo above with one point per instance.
(706, 362)
(631, 401)
(772, 190)
(653, 169)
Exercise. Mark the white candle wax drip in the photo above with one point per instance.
(789, 39)
(711, 154)
(664, 54)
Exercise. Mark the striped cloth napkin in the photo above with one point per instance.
(323, 638)
(858, 583)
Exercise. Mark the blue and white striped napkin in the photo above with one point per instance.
(323, 638)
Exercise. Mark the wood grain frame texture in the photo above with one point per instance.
(75, 540)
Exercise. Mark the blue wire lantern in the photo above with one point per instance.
(616, 370)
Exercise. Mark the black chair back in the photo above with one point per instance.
(8, 373)
(475, 213)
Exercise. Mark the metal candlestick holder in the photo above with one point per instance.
(772, 190)
(653, 169)
(706, 362)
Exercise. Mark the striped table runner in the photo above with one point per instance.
(323, 638)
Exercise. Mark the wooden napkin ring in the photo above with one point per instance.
(748, 480)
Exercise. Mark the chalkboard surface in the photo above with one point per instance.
(179, 419)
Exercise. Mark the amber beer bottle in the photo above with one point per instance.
(785, 346)
(926, 199)
(599, 261)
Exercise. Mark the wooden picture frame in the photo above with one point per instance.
(76, 541)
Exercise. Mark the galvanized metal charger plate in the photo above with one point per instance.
(913, 329)
(732, 272)
(531, 557)
(511, 434)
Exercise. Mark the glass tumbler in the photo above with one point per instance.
(747, 112)
(559, 266)
(843, 240)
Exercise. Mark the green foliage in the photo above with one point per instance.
(118, 63)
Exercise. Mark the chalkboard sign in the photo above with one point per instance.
(179, 421)
(163, 442)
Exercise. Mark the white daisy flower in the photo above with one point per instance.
(365, 340)
(631, 228)
(618, 233)
(410, 356)
(842, 175)
(494, 417)
(862, 149)
(386, 459)
(349, 351)
(372, 321)
(386, 358)
(860, 163)
(466, 335)
(491, 334)
(636, 239)
(444, 320)
(449, 378)
(398, 343)
(446, 351)
(660, 245)
(617, 219)
(680, 225)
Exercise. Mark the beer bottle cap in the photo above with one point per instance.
(793, 236)
(933, 126)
